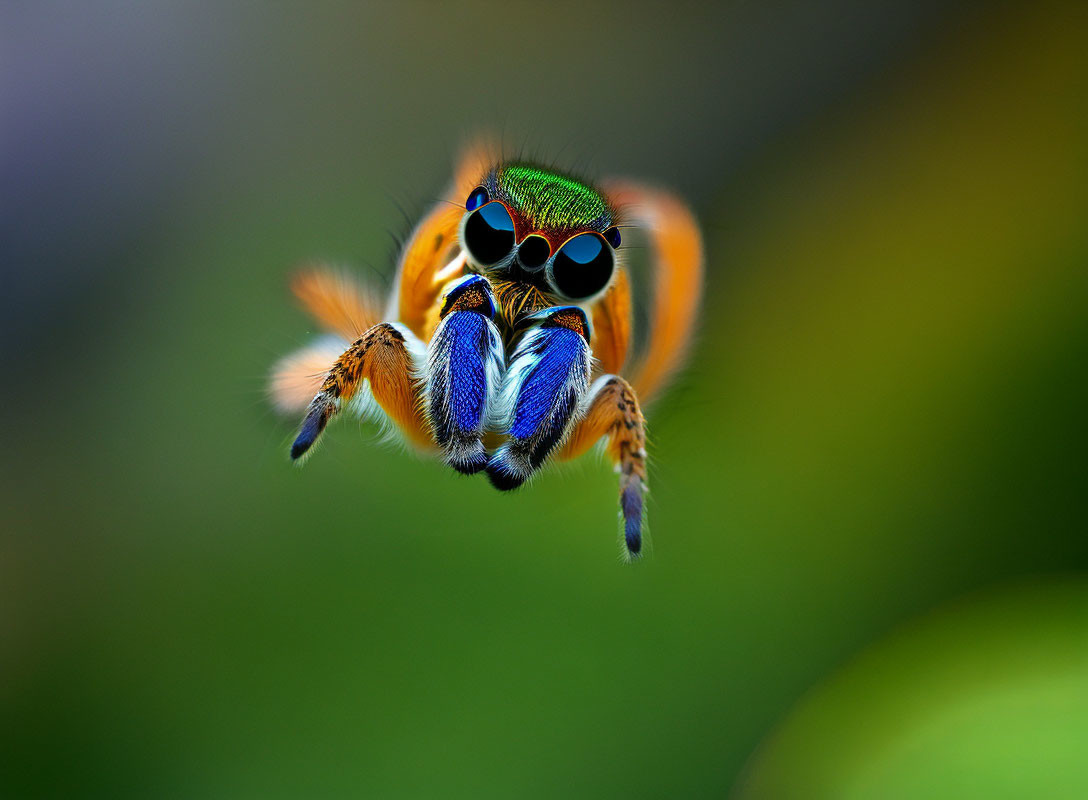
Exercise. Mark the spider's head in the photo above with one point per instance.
(530, 225)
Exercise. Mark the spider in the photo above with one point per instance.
(505, 341)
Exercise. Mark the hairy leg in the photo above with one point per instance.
(298, 376)
(677, 251)
(464, 369)
(382, 357)
(430, 256)
(343, 306)
(543, 387)
(612, 325)
(613, 411)
(425, 266)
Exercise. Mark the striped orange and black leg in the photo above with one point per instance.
(614, 412)
(382, 358)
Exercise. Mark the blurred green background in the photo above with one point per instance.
(869, 573)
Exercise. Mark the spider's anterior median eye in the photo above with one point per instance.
(477, 198)
(534, 252)
(583, 266)
(489, 233)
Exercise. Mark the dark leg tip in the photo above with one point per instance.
(466, 454)
(299, 448)
(631, 505)
(311, 429)
(469, 466)
(501, 479)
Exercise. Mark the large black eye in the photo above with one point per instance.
(489, 233)
(582, 267)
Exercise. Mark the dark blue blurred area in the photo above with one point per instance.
(117, 113)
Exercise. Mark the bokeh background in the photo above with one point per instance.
(869, 505)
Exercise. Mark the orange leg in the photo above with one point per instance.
(382, 357)
(342, 306)
(427, 263)
(614, 412)
(298, 376)
(678, 279)
(420, 274)
(612, 325)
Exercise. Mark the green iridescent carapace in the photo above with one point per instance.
(549, 199)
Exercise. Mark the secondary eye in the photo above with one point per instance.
(477, 198)
(534, 252)
(613, 236)
(582, 267)
(489, 233)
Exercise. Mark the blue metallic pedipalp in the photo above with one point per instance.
(558, 350)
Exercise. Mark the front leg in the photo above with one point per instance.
(464, 368)
(383, 358)
(613, 411)
(547, 378)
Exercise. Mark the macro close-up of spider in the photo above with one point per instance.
(508, 335)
